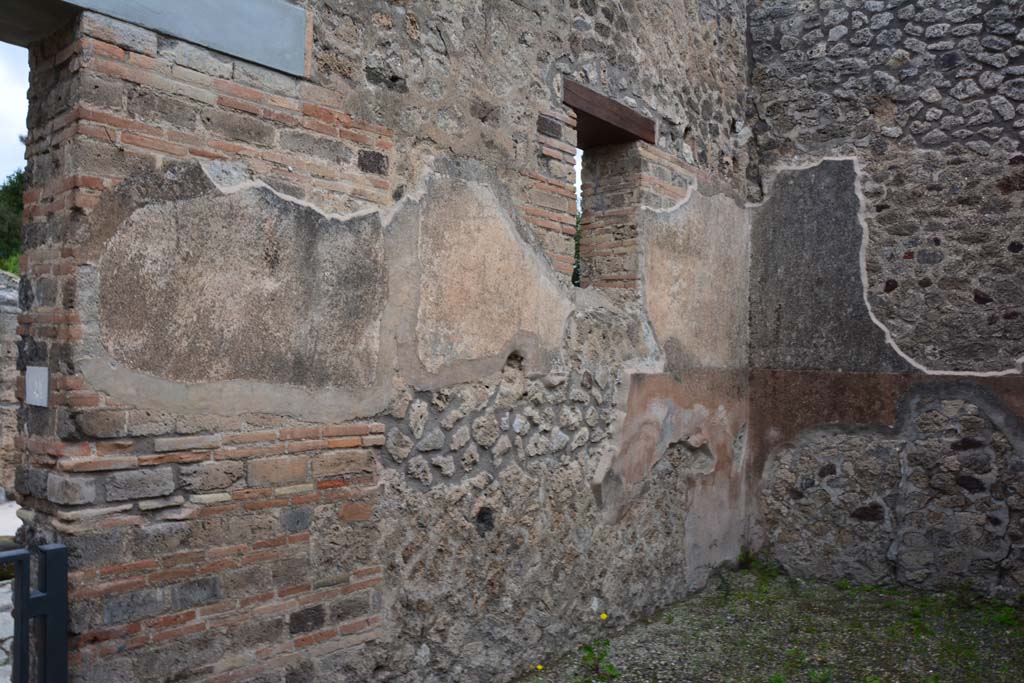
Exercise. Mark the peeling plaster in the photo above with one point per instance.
(398, 362)
(862, 219)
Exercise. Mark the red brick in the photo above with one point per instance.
(226, 551)
(256, 599)
(188, 557)
(314, 638)
(294, 590)
(164, 458)
(99, 590)
(154, 144)
(362, 585)
(356, 512)
(179, 632)
(206, 154)
(216, 567)
(357, 626)
(171, 574)
(244, 453)
(101, 635)
(114, 447)
(171, 619)
(262, 556)
(346, 430)
(250, 437)
(267, 504)
(345, 442)
(301, 433)
(239, 105)
(305, 446)
(236, 90)
(252, 494)
(271, 542)
(97, 464)
(129, 568)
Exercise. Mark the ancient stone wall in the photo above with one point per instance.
(887, 245)
(323, 402)
(928, 97)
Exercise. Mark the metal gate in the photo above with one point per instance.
(49, 601)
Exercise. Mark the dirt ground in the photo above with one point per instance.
(756, 626)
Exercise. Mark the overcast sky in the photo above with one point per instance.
(13, 106)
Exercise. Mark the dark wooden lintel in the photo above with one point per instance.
(603, 121)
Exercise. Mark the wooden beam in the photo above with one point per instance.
(602, 120)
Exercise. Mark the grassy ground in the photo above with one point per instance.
(755, 626)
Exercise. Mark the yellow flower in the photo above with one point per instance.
(604, 617)
(540, 667)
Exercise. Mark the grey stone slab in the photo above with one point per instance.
(267, 32)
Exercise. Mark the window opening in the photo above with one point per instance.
(607, 175)
(579, 218)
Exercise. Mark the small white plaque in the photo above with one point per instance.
(37, 385)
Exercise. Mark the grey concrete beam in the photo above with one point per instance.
(271, 33)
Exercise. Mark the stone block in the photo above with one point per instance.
(70, 490)
(238, 127)
(103, 424)
(275, 471)
(306, 620)
(246, 581)
(186, 443)
(119, 33)
(196, 58)
(156, 108)
(345, 461)
(373, 162)
(194, 593)
(257, 632)
(95, 549)
(104, 92)
(295, 520)
(133, 606)
(31, 481)
(211, 476)
(143, 483)
(153, 540)
(266, 79)
(350, 607)
(318, 146)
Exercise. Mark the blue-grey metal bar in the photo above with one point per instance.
(49, 601)
(21, 559)
(53, 603)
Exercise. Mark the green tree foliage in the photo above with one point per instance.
(11, 206)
